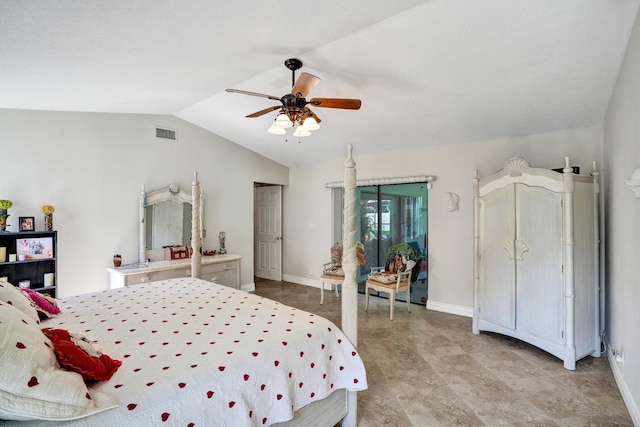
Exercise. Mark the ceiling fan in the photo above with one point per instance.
(294, 106)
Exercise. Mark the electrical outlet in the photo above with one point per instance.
(618, 354)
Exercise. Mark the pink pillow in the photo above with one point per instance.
(41, 304)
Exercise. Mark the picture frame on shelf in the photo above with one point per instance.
(36, 248)
(27, 223)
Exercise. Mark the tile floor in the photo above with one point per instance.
(426, 368)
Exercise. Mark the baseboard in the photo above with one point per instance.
(314, 283)
(632, 407)
(249, 287)
(450, 308)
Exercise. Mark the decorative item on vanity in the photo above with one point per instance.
(221, 239)
(4, 205)
(117, 260)
(178, 252)
(48, 210)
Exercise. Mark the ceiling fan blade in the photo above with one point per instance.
(262, 95)
(347, 104)
(305, 83)
(263, 112)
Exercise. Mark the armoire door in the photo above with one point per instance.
(539, 307)
(496, 300)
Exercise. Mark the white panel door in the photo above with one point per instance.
(539, 272)
(268, 228)
(497, 267)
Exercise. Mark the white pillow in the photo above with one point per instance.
(12, 295)
(32, 385)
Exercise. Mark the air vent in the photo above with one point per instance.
(166, 134)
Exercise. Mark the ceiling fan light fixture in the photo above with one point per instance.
(276, 131)
(310, 124)
(283, 121)
(301, 132)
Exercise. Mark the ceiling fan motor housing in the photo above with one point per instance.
(293, 106)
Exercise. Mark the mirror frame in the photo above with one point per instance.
(173, 193)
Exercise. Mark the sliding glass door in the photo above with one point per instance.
(388, 215)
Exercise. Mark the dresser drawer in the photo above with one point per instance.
(220, 266)
(136, 279)
(177, 273)
(223, 273)
(227, 278)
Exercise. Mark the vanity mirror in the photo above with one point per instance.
(165, 219)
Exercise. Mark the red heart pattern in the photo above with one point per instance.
(312, 354)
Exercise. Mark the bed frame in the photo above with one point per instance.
(341, 404)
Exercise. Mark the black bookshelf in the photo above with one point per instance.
(38, 250)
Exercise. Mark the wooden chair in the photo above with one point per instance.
(333, 279)
(381, 283)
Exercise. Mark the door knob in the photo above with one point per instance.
(278, 238)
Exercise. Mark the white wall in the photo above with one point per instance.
(91, 168)
(622, 224)
(307, 204)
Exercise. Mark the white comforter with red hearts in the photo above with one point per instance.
(199, 354)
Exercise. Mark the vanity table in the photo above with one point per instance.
(169, 217)
(221, 269)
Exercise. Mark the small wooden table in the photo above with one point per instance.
(333, 280)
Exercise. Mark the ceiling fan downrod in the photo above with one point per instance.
(293, 64)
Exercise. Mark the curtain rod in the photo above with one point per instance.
(385, 181)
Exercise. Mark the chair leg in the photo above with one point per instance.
(392, 299)
(409, 298)
(337, 293)
(321, 292)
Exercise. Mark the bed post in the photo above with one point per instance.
(196, 229)
(142, 229)
(349, 265)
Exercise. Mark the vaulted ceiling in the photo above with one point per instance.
(428, 72)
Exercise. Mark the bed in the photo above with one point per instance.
(197, 353)
(192, 353)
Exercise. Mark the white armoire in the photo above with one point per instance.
(536, 256)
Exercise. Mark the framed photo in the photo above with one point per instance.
(26, 223)
(37, 248)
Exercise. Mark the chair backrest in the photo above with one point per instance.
(404, 277)
(404, 280)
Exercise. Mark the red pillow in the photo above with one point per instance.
(73, 358)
